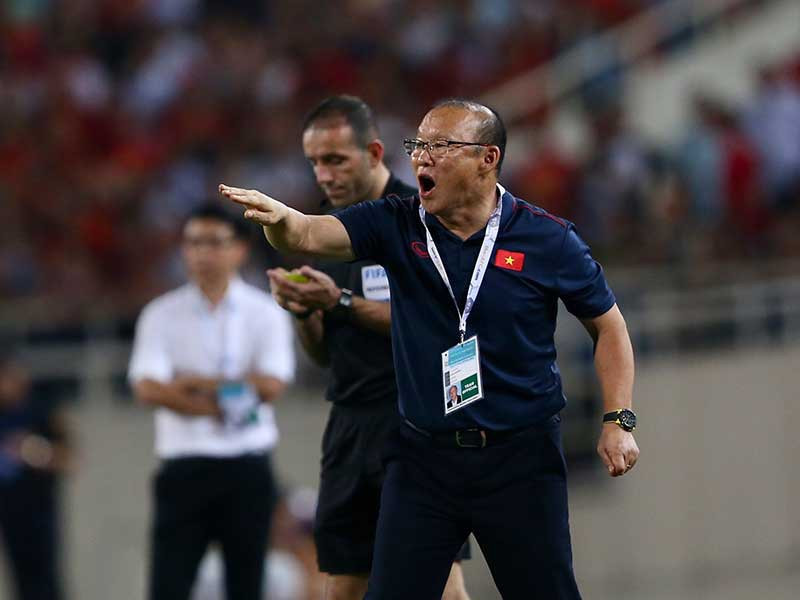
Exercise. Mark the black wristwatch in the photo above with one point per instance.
(343, 304)
(624, 417)
(346, 299)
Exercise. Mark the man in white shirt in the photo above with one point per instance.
(210, 357)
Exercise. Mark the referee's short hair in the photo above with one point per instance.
(353, 110)
(214, 212)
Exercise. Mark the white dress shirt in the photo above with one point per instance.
(180, 333)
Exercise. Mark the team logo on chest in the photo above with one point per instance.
(420, 249)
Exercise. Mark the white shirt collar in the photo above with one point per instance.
(232, 297)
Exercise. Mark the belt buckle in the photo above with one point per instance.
(466, 444)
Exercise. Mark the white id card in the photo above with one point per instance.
(239, 403)
(461, 375)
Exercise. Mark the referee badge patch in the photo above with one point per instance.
(375, 283)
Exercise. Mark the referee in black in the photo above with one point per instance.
(342, 317)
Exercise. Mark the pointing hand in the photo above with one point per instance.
(259, 207)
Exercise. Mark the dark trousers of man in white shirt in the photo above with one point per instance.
(203, 499)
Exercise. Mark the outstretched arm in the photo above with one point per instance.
(289, 230)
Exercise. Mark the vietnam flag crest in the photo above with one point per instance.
(512, 261)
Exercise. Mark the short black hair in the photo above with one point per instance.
(214, 212)
(355, 112)
(491, 131)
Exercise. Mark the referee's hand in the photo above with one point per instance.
(259, 207)
(281, 289)
(617, 449)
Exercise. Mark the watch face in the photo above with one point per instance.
(346, 299)
(627, 419)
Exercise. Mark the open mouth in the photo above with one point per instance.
(426, 183)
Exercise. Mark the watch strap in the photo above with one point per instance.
(346, 298)
(343, 306)
(624, 417)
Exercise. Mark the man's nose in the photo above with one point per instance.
(421, 158)
(323, 174)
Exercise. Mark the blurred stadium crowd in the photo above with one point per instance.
(119, 116)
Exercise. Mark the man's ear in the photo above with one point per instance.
(491, 158)
(375, 152)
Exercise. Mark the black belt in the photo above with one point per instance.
(472, 437)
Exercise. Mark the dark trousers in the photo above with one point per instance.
(512, 496)
(200, 500)
(29, 523)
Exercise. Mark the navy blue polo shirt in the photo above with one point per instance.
(514, 315)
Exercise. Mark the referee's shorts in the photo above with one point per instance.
(351, 478)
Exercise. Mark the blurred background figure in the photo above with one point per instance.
(773, 123)
(36, 450)
(211, 357)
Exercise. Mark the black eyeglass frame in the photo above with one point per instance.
(411, 145)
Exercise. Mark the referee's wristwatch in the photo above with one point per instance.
(624, 417)
(346, 299)
(344, 303)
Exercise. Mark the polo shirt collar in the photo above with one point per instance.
(509, 202)
(229, 301)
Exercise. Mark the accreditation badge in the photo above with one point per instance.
(461, 375)
(239, 403)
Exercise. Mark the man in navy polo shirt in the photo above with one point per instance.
(475, 277)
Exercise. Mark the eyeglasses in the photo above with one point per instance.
(213, 243)
(436, 147)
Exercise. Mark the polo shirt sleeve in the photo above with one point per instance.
(150, 358)
(275, 354)
(368, 224)
(580, 281)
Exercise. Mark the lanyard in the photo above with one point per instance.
(478, 272)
